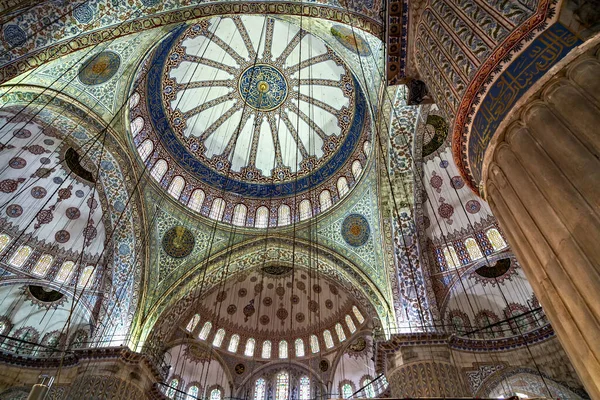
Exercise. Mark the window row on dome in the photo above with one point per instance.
(282, 346)
(65, 272)
(263, 217)
(470, 250)
(369, 388)
(176, 389)
(282, 387)
(23, 340)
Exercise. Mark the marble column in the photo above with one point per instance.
(424, 371)
(542, 182)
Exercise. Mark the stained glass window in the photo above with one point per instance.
(145, 149)
(87, 277)
(340, 332)
(134, 100)
(249, 350)
(192, 393)
(325, 200)
(358, 315)
(176, 186)
(233, 343)
(193, 323)
(159, 170)
(368, 388)
(262, 217)
(356, 169)
(4, 241)
(196, 200)
(305, 209)
(473, 249)
(136, 126)
(314, 344)
(64, 273)
(451, 257)
(367, 148)
(215, 394)
(342, 186)
(328, 339)
(304, 388)
(346, 390)
(283, 386)
(172, 386)
(218, 340)
(239, 215)
(299, 344)
(259, 389)
(4, 327)
(217, 209)
(266, 349)
(350, 324)
(205, 330)
(284, 215)
(20, 256)
(43, 264)
(495, 239)
(283, 349)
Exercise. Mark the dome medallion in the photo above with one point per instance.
(263, 87)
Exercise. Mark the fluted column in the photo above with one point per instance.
(424, 371)
(543, 185)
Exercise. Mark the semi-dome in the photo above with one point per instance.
(231, 119)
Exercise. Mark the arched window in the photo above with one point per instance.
(350, 324)
(249, 350)
(4, 241)
(192, 393)
(314, 344)
(340, 332)
(283, 349)
(64, 273)
(342, 186)
(196, 200)
(367, 148)
(20, 256)
(283, 386)
(218, 340)
(284, 215)
(233, 343)
(451, 257)
(262, 217)
(217, 209)
(159, 170)
(473, 249)
(43, 265)
(259, 389)
(205, 330)
(305, 209)
(368, 388)
(25, 335)
(145, 149)
(193, 323)
(134, 100)
(328, 339)
(4, 327)
(495, 239)
(358, 315)
(215, 394)
(87, 277)
(266, 349)
(136, 126)
(304, 388)
(173, 385)
(176, 186)
(356, 169)
(299, 345)
(239, 215)
(79, 339)
(51, 340)
(325, 200)
(346, 390)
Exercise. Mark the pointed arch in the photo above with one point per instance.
(356, 169)
(217, 209)
(176, 186)
(325, 199)
(43, 265)
(145, 149)
(20, 256)
(196, 200)
(342, 186)
(159, 170)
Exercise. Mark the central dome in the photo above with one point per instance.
(248, 118)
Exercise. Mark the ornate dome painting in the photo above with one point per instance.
(243, 119)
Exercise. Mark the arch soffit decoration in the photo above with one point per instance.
(31, 58)
(24, 95)
(161, 318)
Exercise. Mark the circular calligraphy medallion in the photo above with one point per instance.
(355, 230)
(263, 87)
(99, 68)
(178, 242)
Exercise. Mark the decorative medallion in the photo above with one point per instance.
(17, 163)
(231, 309)
(14, 210)
(197, 354)
(355, 230)
(473, 206)
(99, 68)
(324, 365)
(301, 285)
(435, 134)
(317, 288)
(178, 242)
(62, 236)
(333, 289)
(242, 292)
(300, 317)
(351, 40)
(313, 306)
(295, 299)
(358, 345)
(264, 319)
(249, 310)
(38, 192)
(240, 368)
(267, 301)
(280, 291)
(282, 314)
(329, 304)
(263, 87)
(221, 296)
(457, 182)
